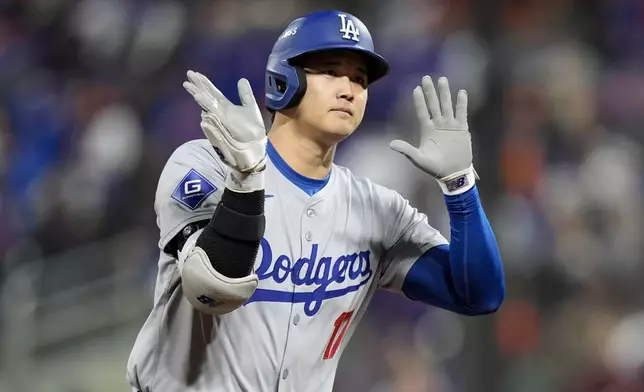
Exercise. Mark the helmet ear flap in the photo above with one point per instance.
(280, 86)
(301, 89)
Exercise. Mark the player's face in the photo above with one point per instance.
(336, 93)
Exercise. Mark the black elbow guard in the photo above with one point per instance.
(232, 237)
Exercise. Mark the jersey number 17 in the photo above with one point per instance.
(340, 327)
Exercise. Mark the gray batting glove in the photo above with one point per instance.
(237, 132)
(445, 150)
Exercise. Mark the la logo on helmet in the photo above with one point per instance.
(349, 30)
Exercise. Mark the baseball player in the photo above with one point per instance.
(270, 253)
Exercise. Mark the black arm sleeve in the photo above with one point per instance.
(231, 238)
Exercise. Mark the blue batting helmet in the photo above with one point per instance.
(314, 32)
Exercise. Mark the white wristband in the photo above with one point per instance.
(240, 182)
(459, 182)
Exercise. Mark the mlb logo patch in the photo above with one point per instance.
(193, 190)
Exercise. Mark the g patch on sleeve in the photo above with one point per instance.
(193, 190)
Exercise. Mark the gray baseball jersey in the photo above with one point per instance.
(321, 260)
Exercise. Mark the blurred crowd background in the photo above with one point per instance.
(91, 106)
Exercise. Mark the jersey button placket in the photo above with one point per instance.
(285, 374)
(310, 212)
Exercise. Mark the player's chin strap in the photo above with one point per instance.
(206, 289)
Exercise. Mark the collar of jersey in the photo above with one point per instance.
(309, 185)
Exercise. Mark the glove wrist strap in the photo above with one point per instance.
(459, 182)
(240, 182)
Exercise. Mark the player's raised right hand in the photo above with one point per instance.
(237, 131)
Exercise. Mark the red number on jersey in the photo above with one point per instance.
(337, 335)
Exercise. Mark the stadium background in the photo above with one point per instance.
(91, 106)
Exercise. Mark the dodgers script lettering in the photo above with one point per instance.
(330, 277)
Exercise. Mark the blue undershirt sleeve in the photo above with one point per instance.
(465, 276)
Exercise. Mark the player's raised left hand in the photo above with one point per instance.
(237, 131)
(445, 150)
